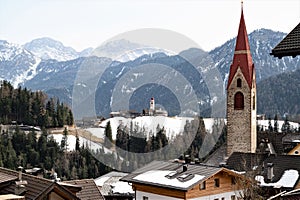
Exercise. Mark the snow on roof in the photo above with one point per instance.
(288, 180)
(100, 181)
(159, 177)
(121, 188)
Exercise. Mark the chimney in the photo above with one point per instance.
(197, 161)
(270, 174)
(184, 168)
(20, 169)
(20, 188)
(187, 159)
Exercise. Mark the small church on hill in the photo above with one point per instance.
(241, 97)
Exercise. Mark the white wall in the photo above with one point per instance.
(226, 195)
(139, 196)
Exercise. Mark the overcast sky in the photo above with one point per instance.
(88, 23)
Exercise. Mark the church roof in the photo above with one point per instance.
(242, 55)
(290, 45)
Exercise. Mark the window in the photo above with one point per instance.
(217, 182)
(185, 177)
(171, 175)
(202, 185)
(239, 101)
(254, 102)
(232, 197)
(145, 198)
(239, 83)
(223, 198)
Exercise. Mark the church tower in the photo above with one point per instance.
(241, 97)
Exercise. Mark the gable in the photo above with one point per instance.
(57, 192)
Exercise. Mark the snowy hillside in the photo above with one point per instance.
(172, 125)
(83, 141)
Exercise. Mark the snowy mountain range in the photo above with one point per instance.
(17, 65)
(48, 65)
(47, 48)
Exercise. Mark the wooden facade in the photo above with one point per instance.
(216, 185)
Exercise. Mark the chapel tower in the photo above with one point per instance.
(241, 97)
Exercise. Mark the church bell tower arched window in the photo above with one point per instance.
(239, 101)
(239, 83)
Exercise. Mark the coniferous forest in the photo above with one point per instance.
(29, 150)
(32, 108)
(36, 148)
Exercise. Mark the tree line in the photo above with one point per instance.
(33, 149)
(134, 147)
(23, 106)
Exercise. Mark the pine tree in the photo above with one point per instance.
(276, 124)
(108, 135)
(77, 145)
(286, 126)
(11, 158)
(64, 141)
(270, 127)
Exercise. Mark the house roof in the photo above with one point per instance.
(111, 185)
(101, 180)
(217, 157)
(248, 161)
(290, 45)
(58, 189)
(239, 161)
(242, 56)
(282, 163)
(4, 178)
(274, 138)
(36, 186)
(89, 189)
(156, 174)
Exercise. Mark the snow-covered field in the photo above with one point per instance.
(83, 141)
(265, 124)
(172, 125)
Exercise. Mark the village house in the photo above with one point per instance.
(18, 185)
(176, 180)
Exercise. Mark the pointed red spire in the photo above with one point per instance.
(242, 55)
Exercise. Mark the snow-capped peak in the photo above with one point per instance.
(47, 48)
